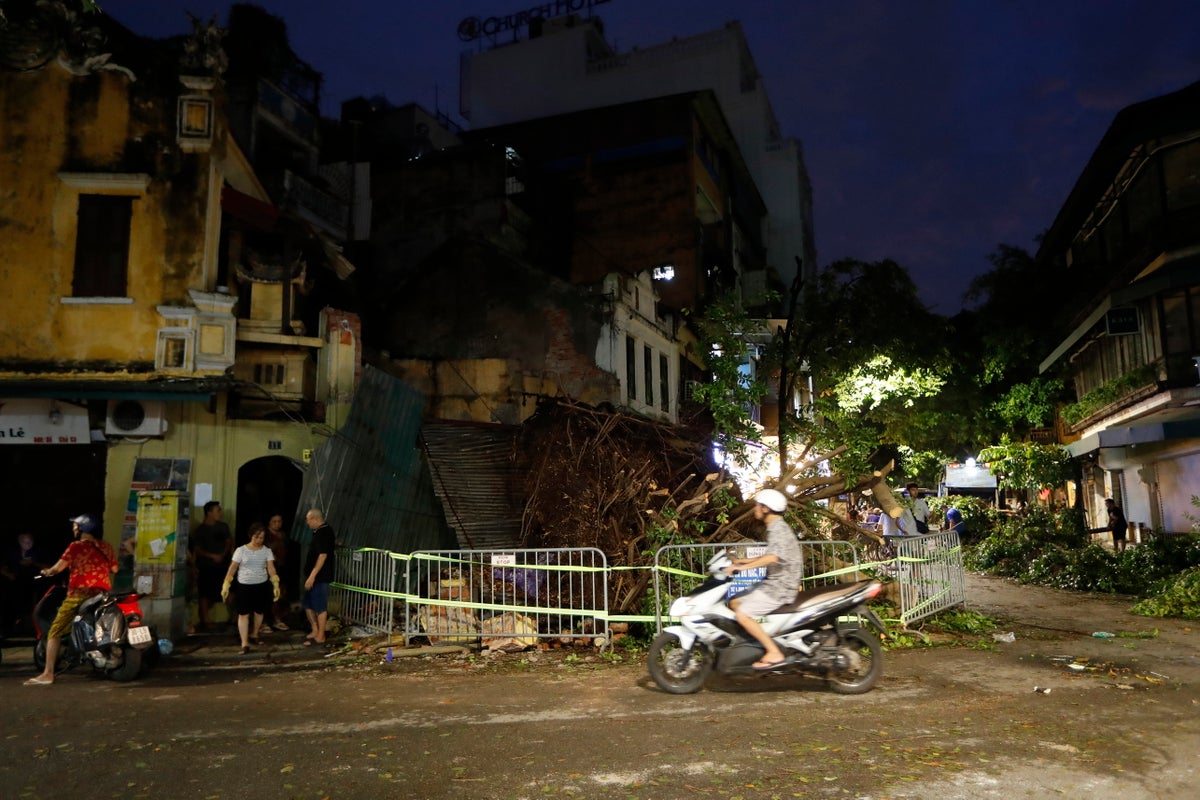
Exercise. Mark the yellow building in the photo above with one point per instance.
(143, 344)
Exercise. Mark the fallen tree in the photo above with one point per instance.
(629, 486)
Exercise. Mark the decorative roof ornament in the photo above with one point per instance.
(34, 34)
(202, 50)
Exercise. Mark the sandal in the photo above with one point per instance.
(38, 681)
(245, 651)
(763, 666)
(279, 626)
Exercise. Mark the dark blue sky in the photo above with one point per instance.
(933, 129)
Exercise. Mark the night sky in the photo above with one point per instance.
(933, 130)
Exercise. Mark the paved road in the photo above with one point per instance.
(945, 723)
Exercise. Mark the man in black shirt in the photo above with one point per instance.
(1116, 524)
(318, 574)
(210, 547)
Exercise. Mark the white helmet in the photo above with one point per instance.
(772, 499)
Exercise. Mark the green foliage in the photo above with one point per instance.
(1192, 518)
(870, 371)
(722, 330)
(1030, 404)
(1180, 598)
(1026, 465)
(922, 466)
(960, 620)
(868, 386)
(1051, 548)
(1014, 542)
(980, 516)
(1110, 392)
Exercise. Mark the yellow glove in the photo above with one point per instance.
(275, 587)
(225, 589)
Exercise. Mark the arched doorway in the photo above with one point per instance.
(266, 486)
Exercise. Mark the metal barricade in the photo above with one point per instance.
(365, 588)
(679, 568)
(929, 572)
(507, 598)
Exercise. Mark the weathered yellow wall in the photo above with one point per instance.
(218, 448)
(89, 125)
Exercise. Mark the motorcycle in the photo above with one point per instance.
(109, 632)
(819, 633)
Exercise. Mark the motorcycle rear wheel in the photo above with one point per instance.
(130, 667)
(866, 667)
(675, 670)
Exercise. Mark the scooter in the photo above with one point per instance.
(820, 634)
(109, 632)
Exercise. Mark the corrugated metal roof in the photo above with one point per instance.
(370, 478)
(476, 478)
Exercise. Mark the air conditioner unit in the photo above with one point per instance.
(135, 418)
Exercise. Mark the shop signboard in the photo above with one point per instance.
(38, 421)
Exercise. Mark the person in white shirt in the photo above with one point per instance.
(898, 522)
(920, 507)
(254, 565)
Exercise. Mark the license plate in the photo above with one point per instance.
(139, 635)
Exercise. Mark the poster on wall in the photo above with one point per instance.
(150, 474)
(157, 527)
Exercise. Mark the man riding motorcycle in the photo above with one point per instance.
(784, 564)
(92, 563)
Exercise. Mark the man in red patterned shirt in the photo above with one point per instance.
(92, 563)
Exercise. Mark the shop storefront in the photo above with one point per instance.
(51, 468)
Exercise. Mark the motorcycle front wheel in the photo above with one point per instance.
(863, 667)
(674, 669)
(130, 666)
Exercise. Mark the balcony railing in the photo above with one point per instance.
(315, 204)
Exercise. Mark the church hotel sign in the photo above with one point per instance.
(473, 28)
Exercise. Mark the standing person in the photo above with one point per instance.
(784, 563)
(21, 565)
(873, 518)
(92, 562)
(1116, 524)
(277, 540)
(318, 574)
(955, 522)
(211, 545)
(920, 507)
(253, 564)
(898, 522)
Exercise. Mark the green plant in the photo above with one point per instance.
(612, 656)
(1138, 634)
(1110, 392)
(1051, 548)
(1026, 465)
(722, 329)
(1192, 518)
(1181, 598)
(981, 517)
(960, 620)
(904, 639)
